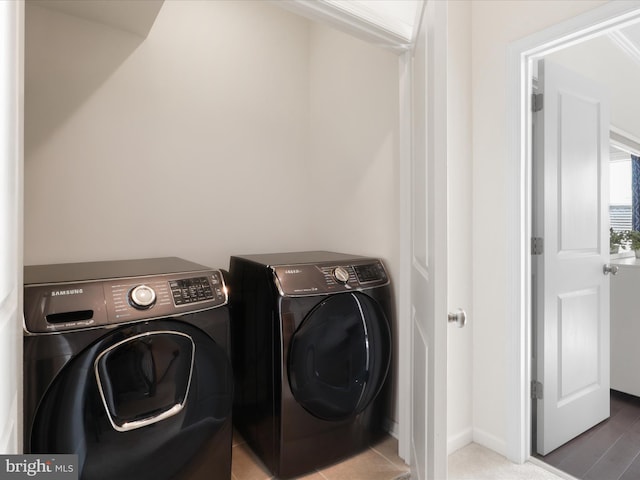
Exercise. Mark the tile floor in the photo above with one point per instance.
(380, 462)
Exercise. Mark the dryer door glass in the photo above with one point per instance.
(339, 356)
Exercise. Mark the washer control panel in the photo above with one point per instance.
(73, 306)
(317, 279)
(191, 290)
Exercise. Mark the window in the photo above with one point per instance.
(620, 197)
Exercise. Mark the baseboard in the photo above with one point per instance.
(459, 440)
(490, 441)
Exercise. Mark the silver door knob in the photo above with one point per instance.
(459, 317)
(610, 269)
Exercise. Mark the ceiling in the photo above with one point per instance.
(395, 17)
(133, 16)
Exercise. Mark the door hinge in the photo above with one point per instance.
(537, 246)
(536, 390)
(537, 101)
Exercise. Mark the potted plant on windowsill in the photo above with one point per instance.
(615, 240)
(633, 237)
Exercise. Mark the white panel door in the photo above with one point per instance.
(571, 153)
(429, 248)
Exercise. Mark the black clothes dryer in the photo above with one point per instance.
(311, 353)
(126, 364)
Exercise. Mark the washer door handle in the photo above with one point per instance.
(127, 426)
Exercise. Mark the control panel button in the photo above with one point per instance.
(373, 272)
(142, 297)
(191, 290)
(341, 275)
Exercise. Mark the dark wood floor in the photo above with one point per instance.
(610, 450)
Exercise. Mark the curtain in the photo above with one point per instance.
(635, 192)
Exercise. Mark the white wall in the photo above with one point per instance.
(496, 24)
(188, 143)
(354, 150)
(459, 156)
(234, 127)
(205, 127)
(354, 135)
(601, 60)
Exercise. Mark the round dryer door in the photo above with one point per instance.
(339, 356)
(143, 402)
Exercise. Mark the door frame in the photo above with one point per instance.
(520, 56)
(11, 213)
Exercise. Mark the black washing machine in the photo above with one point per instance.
(311, 354)
(126, 364)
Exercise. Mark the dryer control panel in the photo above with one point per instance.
(51, 308)
(325, 278)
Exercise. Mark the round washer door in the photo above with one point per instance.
(143, 402)
(339, 356)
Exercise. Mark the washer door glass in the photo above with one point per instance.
(339, 356)
(145, 379)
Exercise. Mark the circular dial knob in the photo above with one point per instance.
(341, 275)
(142, 297)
